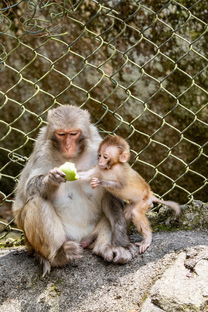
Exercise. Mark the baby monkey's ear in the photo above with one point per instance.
(124, 157)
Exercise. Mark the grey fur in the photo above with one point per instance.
(44, 223)
(113, 209)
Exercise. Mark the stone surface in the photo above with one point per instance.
(91, 285)
(193, 216)
(183, 286)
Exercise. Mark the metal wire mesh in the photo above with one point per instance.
(139, 67)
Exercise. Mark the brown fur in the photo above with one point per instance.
(115, 174)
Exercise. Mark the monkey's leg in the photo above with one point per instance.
(142, 224)
(113, 210)
(45, 233)
(106, 250)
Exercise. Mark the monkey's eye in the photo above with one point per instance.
(61, 133)
(105, 157)
(99, 155)
(73, 133)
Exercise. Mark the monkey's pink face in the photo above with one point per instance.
(67, 140)
(107, 156)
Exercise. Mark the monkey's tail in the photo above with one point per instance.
(175, 206)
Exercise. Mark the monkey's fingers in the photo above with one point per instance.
(95, 182)
(94, 185)
(72, 250)
(58, 172)
(133, 248)
(143, 246)
(57, 176)
(121, 255)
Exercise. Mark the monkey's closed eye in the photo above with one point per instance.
(73, 133)
(61, 134)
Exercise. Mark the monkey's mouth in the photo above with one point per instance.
(104, 167)
(69, 154)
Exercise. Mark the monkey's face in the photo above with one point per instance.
(67, 142)
(107, 156)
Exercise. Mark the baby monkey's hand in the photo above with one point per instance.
(95, 182)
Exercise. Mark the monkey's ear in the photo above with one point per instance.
(87, 114)
(50, 113)
(124, 157)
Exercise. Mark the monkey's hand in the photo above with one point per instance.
(95, 182)
(55, 177)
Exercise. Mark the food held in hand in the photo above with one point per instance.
(70, 171)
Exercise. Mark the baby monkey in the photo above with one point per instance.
(114, 173)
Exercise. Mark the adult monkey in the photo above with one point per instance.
(56, 215)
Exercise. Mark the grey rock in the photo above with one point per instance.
(181, 287)
(92, 285)
(193, 216)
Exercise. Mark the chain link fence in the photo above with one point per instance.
(139, 67)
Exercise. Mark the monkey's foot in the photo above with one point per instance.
(119, 255)
(123, 255)
(72, 250)
(67, 252)
(133, 249)
(104, 251)
(143, 246)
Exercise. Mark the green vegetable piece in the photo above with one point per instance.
(70, 171)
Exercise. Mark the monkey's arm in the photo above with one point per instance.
(45, 184)
(105, 183)
(110, 183)
(87, 175)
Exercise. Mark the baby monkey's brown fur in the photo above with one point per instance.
(114, 173)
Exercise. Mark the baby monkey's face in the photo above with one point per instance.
(107, 156)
